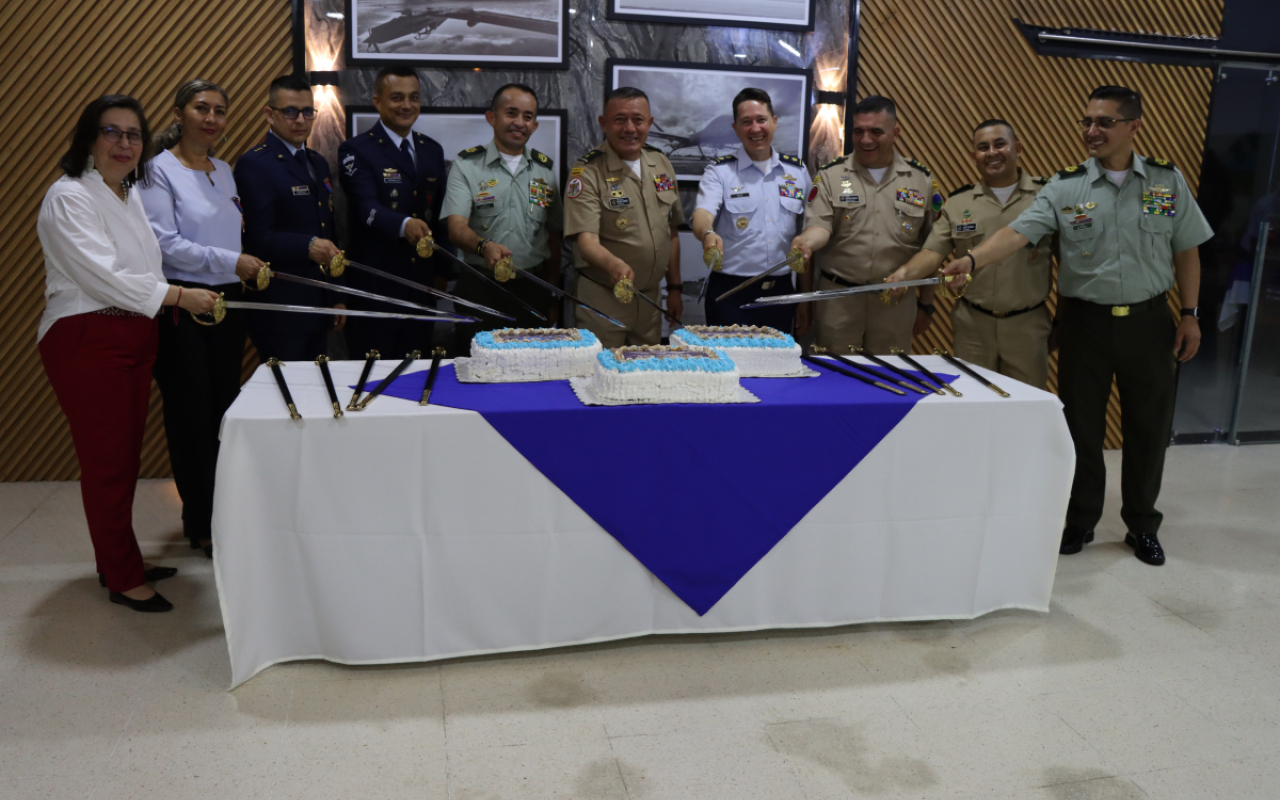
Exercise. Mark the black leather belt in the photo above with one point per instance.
(836, 279)
(1003, 314)
(1159, 301)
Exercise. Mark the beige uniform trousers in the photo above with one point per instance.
(644, 323)
(863, 321)
(1015, 346)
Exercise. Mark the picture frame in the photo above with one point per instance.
(457, 128)
(777, 15)
(531, 34)
(700, 127)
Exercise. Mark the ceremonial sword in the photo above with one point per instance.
(958, 364)
(323, 363)
(855, 365)
(625, 289)
(275, 365)
(282, 276)
(481, 274)
(899, 370)
(220, 306)
(436, 355)
(548, 285)
(832, 294)
(369, 358)
(828, 365)
(339, 263)
(902, 354)
(385, 382)
(789, 260)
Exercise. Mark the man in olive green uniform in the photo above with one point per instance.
(502, 202)
(869, 212)
(622, 213)
(1002, 323)
(1128, 226)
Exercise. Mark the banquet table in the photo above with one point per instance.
(407, 533)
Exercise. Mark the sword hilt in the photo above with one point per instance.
(713, 258)
(426, 245)
(504, 270)
(624, 290)
(336, 266)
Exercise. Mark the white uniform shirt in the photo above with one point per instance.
(757, 213)
(196, 217)
(99, 251)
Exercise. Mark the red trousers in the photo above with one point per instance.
(100, 368)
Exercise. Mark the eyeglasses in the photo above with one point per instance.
(292, 113)
(1105, 123)
(113, 135)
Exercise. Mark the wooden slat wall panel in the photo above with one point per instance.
(949, 66)
(58, 55)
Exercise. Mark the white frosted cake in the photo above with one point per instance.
(665, 374)
(759, 352)
(532, 354)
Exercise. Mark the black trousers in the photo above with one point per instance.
(198, 370)
(472, 288)
(276, 338)
(1138, 351)
(729, 313)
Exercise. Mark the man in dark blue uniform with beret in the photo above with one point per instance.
(394, 179)
(287, 200)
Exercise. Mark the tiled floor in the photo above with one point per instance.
(1142, 682)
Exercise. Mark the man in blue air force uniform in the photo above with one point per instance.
(750, 206)
(287, 201)
(394, 179)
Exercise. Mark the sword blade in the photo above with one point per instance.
(323, 363)
(334, 287)
(658, 306)
(902, 354)
(756, 279)
(562, 293)
(832, 294)
(429, 290)
(436, 355)
(481, 274)
(274, 364)
(371, 357)
(385, 382)
(960, 365)
(828, 365)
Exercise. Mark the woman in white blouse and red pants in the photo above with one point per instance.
(97, 337)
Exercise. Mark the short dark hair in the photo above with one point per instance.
(287, 83)
(76, 159)
(396, 70)
(749, 95)
(994, 122)
(625, 93)
(874, 104)
(1130, 100)
(497, 96)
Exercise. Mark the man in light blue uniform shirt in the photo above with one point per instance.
(750, 206)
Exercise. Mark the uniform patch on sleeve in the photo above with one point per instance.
(813, 192)
(349, 164)
(574, 189)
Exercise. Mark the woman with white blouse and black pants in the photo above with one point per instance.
(194, 209)
(97, 337)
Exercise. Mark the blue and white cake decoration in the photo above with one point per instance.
(665, 374)
(759, 352)
(519, 355)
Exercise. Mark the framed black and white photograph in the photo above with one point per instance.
(784, 15)
(458, 33)
(456, 129)
(692, 106)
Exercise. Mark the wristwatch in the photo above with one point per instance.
(1191, 312)
(928, 308)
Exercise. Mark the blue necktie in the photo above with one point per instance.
(408, 153)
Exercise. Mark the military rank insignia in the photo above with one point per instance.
(662, 183)
(1159, 201)
(539, 194)
(912, 197)
(391, 175)
(787, 188)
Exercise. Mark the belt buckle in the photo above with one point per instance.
(766, 286)
(999, 314)
(1119, 311)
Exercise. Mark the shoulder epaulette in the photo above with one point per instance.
(1073, 171)
(651, 147)
(1152, 161)
(1039, 181)
(471, 151)
(832, 163)
(920, 166)
(960, 189)
(590, 155)
(729, 159)
(259, 148)
(541, 158)
(789, 159)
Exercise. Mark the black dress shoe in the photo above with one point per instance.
(1146, 547)
(148, 575)
(208, 551)
(1074, 540)
(153, 604)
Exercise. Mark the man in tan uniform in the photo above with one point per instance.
(869, 212)
(1002, 323)
(621, 211)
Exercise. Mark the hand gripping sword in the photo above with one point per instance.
(625, 291)
(339, 263)
(504, 271)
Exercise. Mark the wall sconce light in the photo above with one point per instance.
(323, 77)
(825, 98)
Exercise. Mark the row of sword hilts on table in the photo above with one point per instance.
(899, 377)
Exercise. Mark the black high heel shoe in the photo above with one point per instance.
(153, 604)
(148, 576)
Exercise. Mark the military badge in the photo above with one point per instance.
(492, 182)
(301, 191)
(622, 223)
(789, 189)
(1090, 204)
(349, 165)
(1159, 201)
(742, 223)
(391, 175)
(576, 171)
(935, 201)
(574, 188)
(813, 191)
(663, 184)
(328, 185)
(539, 194)
(912, 197)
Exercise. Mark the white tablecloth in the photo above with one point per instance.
(404, 533)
